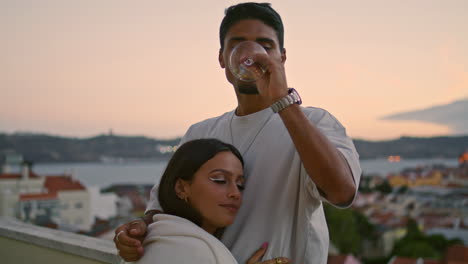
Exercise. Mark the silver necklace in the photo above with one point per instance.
(255, 137)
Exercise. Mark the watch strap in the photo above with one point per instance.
(290, 99)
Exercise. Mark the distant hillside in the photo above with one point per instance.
(413, 147)
(47, 148)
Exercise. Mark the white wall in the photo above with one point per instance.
(8, 201)
(103, 205)
(22, 186)
(75, 209)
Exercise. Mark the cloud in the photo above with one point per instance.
(453, 115)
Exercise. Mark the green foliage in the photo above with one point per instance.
(418, 249)
(403, 190)
(439, 242)
(454, 241)
(348, 228)
(381, 260)
(412, 230)
(384, 187)
(416, 244)
(364, 184)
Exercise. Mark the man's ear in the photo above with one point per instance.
(221, 59)
(182, 189)
(283, 56)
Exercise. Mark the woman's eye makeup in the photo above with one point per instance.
(240, 186)
(218, 180)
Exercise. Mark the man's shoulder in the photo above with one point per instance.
(211, 120)
(323, 118)
(315, 113)
(208, 126)
(313, 110)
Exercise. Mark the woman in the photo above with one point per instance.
(200, 193)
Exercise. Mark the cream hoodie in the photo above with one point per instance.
(175, 240)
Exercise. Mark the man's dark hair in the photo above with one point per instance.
(185, 162)
(261, 11)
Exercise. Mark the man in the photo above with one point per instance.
(295, 157)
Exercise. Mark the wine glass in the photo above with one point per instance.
(242, 64)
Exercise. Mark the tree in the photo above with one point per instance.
(416, 244)
(418, 249)
(403, 189)
(348, 229)
(384, 187)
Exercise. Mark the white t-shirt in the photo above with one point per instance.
(281, 204)
(172, 239)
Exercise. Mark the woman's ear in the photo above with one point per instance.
(182, 189)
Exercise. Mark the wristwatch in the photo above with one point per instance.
(292, 98)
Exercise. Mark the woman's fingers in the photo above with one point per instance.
(258, 254)
(279, 260)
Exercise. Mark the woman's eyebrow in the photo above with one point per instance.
(227, 172)
(221, 170)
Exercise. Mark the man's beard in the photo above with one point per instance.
(247, 88)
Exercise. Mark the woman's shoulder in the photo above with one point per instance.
(176, 239)
(171, 225)
(174, 249)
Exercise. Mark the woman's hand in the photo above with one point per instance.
(255, 259)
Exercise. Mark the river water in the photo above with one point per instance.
(106, 174)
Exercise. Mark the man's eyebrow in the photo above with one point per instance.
(265, 40)
(236, 38)
(257, 39)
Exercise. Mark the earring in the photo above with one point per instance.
(185, 198)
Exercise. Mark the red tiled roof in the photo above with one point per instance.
(431, 261)
(62, 183)
(403, 260)
(38, 196)
(340, 259)
(12, 176)
(456, 254)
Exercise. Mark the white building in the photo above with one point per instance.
(74, 202)
(12, 185)
(45, 199)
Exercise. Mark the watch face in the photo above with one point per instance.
(295, 96)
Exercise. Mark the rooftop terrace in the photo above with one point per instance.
(26, 243)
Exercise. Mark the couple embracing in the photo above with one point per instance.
(248, 186)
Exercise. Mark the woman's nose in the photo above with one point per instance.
(234, 192)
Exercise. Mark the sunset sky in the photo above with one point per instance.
(80, 68)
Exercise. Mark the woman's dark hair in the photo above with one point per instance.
(185, 162)
(261, 11)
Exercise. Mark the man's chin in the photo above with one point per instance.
(247, 88)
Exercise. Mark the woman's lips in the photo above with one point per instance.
(231, 207)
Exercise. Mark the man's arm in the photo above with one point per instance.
(324, 163)
(129, 237)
